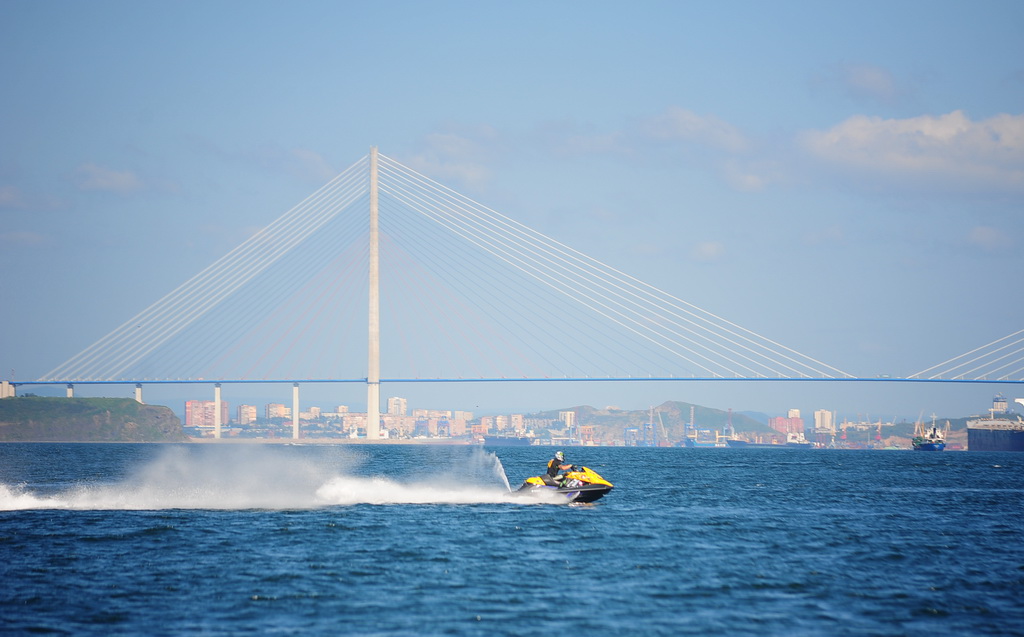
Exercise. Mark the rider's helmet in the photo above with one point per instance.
(559, 456)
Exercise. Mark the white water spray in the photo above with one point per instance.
(489, 463)
(270, 477)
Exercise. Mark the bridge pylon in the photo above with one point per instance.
(373, 363)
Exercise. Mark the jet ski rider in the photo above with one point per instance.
(555, 465)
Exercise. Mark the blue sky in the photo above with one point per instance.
(847, 179)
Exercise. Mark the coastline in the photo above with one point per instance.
(329, 441)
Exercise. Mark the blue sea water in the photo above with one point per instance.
(425, 540)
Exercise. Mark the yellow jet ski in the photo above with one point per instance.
(579, 484)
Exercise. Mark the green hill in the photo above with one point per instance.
(37, 419)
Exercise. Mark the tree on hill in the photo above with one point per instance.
(37, 419)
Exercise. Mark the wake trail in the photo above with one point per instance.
(267, 478)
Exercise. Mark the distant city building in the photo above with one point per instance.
(353, 421)
(790, 425)
(824, 421)
(864, 425)
(538, 423)
(277, 410)
(587, 434)
(487, 423)
(342, 422)
(397, 406)
(568, 417)
(793, 413)
(457, 425)
(202, 413)
(403, 425)
(431, 413)
(246, 414)
(516, 422)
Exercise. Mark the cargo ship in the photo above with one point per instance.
(1000, 431)
(793, 441)
(509, 441)
(694, 438)
(704, 438)
(928, 439)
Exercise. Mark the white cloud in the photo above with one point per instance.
(702, 142)
(572, 138)
(945, 151)
(452, 156)
(14, 198)
(750, 175)
(678, 124)
(93, 177)
(302, 163)
(309, 164)
(708, 251)
(869, 81)
(863, 82)
(713, 143)
(745, 180)
(988, 238)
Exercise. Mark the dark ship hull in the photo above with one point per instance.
(995, 435)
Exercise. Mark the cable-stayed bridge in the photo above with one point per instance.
(384, 275)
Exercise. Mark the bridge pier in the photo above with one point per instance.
(138, 393)
(216, 411)
(295, 411)
(71, 391)
(373, 369)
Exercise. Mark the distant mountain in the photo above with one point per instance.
(759, 416)
(609, 424)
